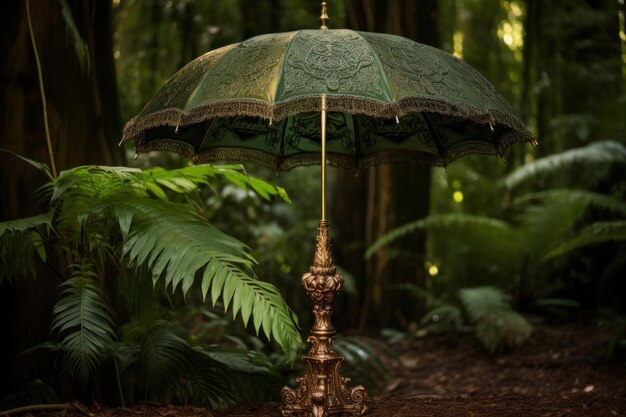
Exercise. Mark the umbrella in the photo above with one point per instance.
(381, 99)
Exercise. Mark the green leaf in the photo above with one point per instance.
(82, 314)
(597, 154)
(40, 166)
(500, 230)
(175, 243)
(595, 233)
(27, 223)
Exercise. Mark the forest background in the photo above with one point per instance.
(545, 228)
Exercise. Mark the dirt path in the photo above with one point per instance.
(559, 372)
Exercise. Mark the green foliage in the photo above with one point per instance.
(598, 232)
(531, 246)
(160, 354)
(444, 318)
(21, 243)
(480, 228)
(366, 361)
(151, 228)
(498, 326)
(85, 319)
(595, 158)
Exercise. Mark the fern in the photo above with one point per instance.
(497, 229)
(592, 199)
(84, 316)
(182, 249)
(21, 243)
(595, 233)
(163, 356)
(364, 361)
(547, 224)
(443, 318)
(175, 242)
(498, 327)
(597, 154)
(200, 374)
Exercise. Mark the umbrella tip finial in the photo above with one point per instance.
(324, 17)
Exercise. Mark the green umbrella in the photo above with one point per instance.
(381, 99)
(389, 100)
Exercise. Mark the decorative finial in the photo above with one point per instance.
(324, 17)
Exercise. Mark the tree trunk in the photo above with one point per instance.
(388, 196)
(85, 126)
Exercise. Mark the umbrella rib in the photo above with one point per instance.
(206, 134)
(434, 136)
(281, 152)
(382, 71)
(282, 66)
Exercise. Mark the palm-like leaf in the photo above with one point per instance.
(181, 249)
(173, 241)
(483, 301)
(597, 154)
(573, 196)
(547, 224)
(364, 361)
(478, 225)
(21, 241)
(554, 214)
(202, 374)
(84, 316)
(598, 232)
(163, 357)
(498, 326)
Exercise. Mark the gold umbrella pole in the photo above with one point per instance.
(322, 392)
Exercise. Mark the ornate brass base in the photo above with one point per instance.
(322, 392)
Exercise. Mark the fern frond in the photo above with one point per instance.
(546, 225)
(573, 196)
(443, 318)
(21, 242)
(596, 154)
(498, 326)
(248, 376)
(482, 301)
(182, 249)
(595, 233)
(200, 374)
(503, 330)
(188, 179)
(499, 230)
(363, 361)
(27, 223)
(84, 316)
(163, 357)
(43, 168)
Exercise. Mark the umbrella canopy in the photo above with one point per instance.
(389, 99)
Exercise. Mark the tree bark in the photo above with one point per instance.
(388, 196)
(85, 126)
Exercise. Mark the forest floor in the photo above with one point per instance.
(558, 372)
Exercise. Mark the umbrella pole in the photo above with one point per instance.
(323, 163)
(322, 391)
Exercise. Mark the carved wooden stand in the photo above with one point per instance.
(322, 392)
